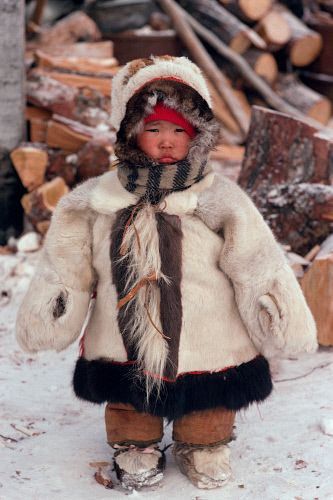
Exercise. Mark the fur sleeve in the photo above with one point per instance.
(269, 298)
(55, 306)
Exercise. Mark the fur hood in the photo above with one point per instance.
(176, 82)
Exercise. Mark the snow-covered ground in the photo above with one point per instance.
(51, 444)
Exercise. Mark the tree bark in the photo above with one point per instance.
(40, 203)
(11, 73)
(11, 114)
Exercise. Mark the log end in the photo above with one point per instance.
(305, 50)
(254, 10)
(321, 111)
(266, 67)
(274, 29)
(30, 164)
(52, 192)
(240, 43)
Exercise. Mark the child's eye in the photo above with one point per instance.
(152, 130)
(180, 130)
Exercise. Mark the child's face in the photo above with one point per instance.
(164, 141)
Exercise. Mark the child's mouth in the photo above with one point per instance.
(167, 159)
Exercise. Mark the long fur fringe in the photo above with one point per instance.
(142, 258)
(235, 388)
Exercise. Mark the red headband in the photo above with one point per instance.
(161, 112)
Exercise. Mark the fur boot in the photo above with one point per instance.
(206, 467)
(137, 467)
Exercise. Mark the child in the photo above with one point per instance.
(191, 289)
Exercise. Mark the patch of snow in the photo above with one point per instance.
(326, 425)
(29, 242)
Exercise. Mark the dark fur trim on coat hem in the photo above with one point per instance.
(235, 388)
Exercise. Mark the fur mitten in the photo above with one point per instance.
(268, 296)
(56, 304)
(51, 316)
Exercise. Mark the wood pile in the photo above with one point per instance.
(68, 107)
(267, 41)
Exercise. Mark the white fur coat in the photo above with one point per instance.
(256, 290)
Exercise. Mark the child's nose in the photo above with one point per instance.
(166, 141)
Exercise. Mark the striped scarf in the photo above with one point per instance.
(152, 182)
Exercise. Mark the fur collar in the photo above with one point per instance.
(108, 196)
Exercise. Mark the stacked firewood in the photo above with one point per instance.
(68, 108)
(69, 85)
(267, 40)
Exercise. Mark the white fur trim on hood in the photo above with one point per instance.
(124, 86)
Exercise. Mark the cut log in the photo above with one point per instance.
(32, 112)
(305, 44)
(37, 119)
(71, 136)
(275, 30)
(298, 214)
(225, 25)
(263, 63)
(247, 10)
(74, 81)
(80, 65)
(40, 203)
(97, 50)
(323, 24)
(92, 160)
(282, 149)
(62, 165)
(73, 28)
(60, 135)
(86, 105)
(48, 93)
(303, 98)
(30, 163)
(283, 156)
(317, 285)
